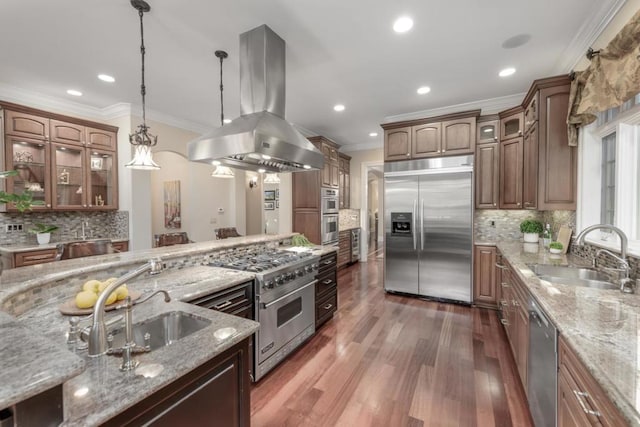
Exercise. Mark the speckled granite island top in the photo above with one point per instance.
(22, 353)
(102, 391)
(601, 326)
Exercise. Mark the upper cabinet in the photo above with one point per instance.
(511, 123)
(330, 173)
(344, 192)
(433, 137)
(488, 131)
(69, 164)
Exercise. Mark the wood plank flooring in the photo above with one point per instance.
(386, 360)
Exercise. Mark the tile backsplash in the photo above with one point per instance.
(588, 252)
(348, 218)
(492, 225)
(109, 224)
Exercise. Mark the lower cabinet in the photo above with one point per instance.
(326, 289)
(344, 248)
(217, 390)
(41, 256)
(581, 400)
(484, 276)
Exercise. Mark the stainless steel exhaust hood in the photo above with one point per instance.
(260, 138)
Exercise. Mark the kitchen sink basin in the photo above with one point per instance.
(572, 276)
(163, 330)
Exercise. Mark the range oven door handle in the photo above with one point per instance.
(269, 304)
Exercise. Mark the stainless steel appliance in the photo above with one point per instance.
(355, 244)
(330, 201)
(428, 220)
(542, 376)
(329, 229)
(285, 301)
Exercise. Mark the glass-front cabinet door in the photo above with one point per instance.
(102, 180)
(30, 157)
(68, 177)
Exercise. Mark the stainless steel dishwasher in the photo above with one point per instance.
(543, 367)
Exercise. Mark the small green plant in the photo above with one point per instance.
(556, 245)
(300, 240)
(23, 201)
(531, 226)
(39, 228)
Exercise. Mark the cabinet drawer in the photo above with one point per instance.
(326, 283)
(233, 300)
(327, 262)
(120, 246)
(34, 257)
(326, 307)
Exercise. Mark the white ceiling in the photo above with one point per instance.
(338, 51)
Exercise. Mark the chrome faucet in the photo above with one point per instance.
(98, 331)
(623, 237)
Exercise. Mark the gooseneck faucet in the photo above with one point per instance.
(623, 237)
(98, 331)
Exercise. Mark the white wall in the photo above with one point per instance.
(357, 158)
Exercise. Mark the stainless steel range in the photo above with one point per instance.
(285, 301)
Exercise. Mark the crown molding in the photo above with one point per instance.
(306, 132)
(374, 145)
(487, 106)
(587, 35)
(40, 101)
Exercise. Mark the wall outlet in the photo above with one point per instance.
(220, 210)
(493, 223)
(10, 228)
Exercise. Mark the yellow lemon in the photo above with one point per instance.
(86, 299)
(122, 292)
(91, 286)
(112, 298)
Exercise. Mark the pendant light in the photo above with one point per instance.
(221, 171)
(141, 139)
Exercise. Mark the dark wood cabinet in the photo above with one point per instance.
(530, 168)
(487, 166)
(397, 144)
(511, 123)
(426, 140)
(484, 276)
(122, 246)
(459, 136)
(511, 158)
(558, 162)
(448, 135)
(326, 289)
(488, 132)
(344, 248)
(217, 390)
(330, 172)
(307, 222)
(69, 164)
(531, 112)
(237, 300)
(344, 190)
(580, 397)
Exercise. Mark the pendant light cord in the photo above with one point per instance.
(143, 88)
(222, 55)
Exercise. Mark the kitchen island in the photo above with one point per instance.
(31, 296)
(600, 326)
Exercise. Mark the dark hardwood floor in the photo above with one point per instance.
(386, 360)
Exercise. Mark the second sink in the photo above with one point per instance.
(572, 276)
(164, 330)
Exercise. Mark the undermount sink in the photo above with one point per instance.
(572, 276)
(164, 330)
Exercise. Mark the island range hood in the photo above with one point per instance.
(260, 138)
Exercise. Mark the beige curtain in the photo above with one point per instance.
(612, 78)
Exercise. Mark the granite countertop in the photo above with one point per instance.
(12, 249)
(318, 250)
(601, 326)
(102, 391)
(22, 353)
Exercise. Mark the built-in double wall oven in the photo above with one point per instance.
(329, 210)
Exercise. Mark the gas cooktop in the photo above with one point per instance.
(261, 262)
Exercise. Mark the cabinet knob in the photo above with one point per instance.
(518, 204)
(437, 151)
(84, 206)
(495, 138)
(494, 204)
(519, 132)
(48, 205)
(528, 203)
(444, 151)
(408, 154)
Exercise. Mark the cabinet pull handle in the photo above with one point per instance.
(505, 322)
(504, 303)
(328, 262)
(500, 266)
(327, 282)
(505, 285)
(579, 396)
(222, 305)
(328, 306)
(515, 303)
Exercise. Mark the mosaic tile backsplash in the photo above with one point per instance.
(588, 252)
(493, 225)
(114, 225)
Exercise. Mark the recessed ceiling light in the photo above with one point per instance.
(507, 72)
(424, 89)
(106, 78)
(306, 166)
(74, 92)
(372, 134)
(227, 121)
(403, 24)
(338, 107)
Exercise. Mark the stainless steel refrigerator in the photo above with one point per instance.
(428, 220)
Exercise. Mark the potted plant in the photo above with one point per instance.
(531, 228)
(43, 232)
(555, 247)
(23, 201)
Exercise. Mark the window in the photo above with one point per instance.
(609, 175)
(608, 179)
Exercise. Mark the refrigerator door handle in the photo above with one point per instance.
(422, 236)
(415, 208)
